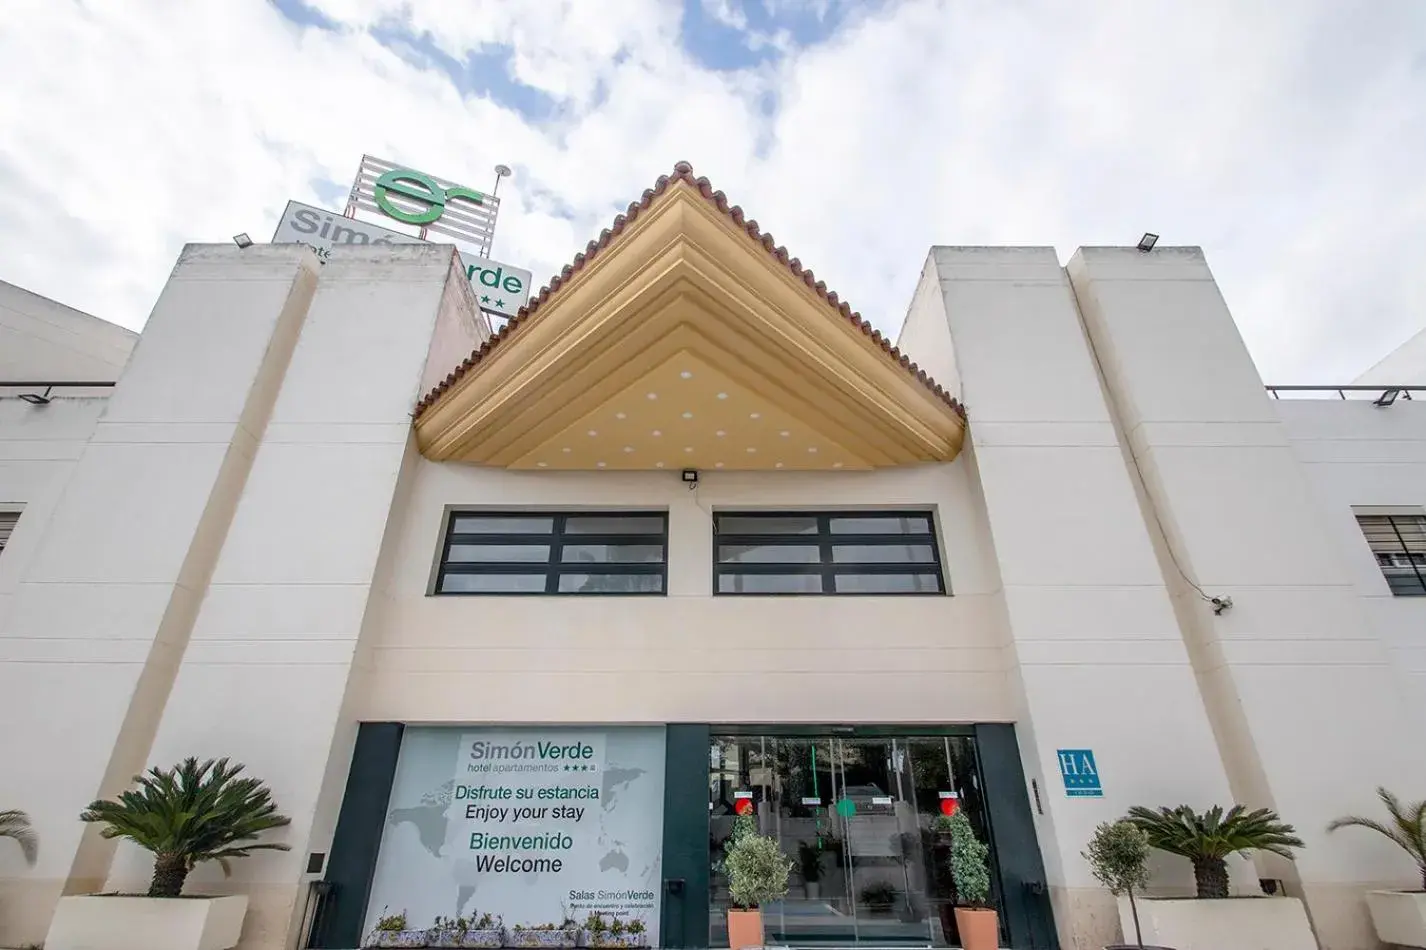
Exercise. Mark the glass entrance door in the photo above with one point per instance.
(855, 815)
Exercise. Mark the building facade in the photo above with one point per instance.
(518, 623)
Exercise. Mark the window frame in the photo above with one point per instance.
(825, 540)
(553, 567)
(1416, 560)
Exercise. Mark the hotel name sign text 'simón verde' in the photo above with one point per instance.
(527, 624)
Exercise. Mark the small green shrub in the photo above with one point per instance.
(969, 864)
(757, 870)
(1118, 856)
(391, 923)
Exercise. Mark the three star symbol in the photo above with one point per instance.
(579, 768)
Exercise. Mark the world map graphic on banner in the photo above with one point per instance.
(531, 825)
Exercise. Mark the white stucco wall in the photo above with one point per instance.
(43, 340)
(1403, 366)
(233, 557)
(689, 656)
(1360, 455)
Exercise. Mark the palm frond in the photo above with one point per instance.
(16, 826)
(1215, 834)
(1406, 827)
(193, 812)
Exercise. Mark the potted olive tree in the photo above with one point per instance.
(976, 920)
(757, 873)
(187, 815)
(1118, 857)
(1398, 916)
(1212, 918)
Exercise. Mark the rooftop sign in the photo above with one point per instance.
(435, 205)
(499, 288)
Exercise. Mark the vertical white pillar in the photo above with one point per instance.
(102, 616)
(1310, 711)
(276, 649)
(1094, 651)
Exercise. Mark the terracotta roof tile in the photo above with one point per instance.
(683, 171)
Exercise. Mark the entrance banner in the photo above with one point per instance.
(528, 824)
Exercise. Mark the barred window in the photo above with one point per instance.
(1399, 543)
(544, 552)
(828, 552)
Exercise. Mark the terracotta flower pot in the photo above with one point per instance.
(745, 929)
(978, 928)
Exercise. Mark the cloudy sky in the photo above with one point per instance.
(1287, 138)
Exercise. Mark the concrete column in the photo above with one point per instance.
(1094, 654)
(276, 650)
(101, 617)
(1309, 712)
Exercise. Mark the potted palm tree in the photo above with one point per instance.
(757, 873)
(1211, 918)
(187, 815)
(15, 825)
(1118, 857)
(1398, 916)
(976, 920)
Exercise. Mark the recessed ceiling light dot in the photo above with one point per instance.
(784, 433)
(657, 433)
(600, 464)
(688, 448)
(751, 450)
(836, 464)
(722, 395)
(812, 449)
(685, 375)
(565, 450)
(658, 465)
(628, 448)
(720, 433)
(688, 415)
(652, 396)
(778, 465)
(543, 464)
(717, 464)
(593, 432)
(620, 415)
(755, 415)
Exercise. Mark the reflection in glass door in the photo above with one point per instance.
(854, 815)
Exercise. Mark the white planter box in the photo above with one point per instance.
(1399, 917)
(1242, 923)
(147, 923)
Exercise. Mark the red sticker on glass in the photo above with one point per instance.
(948, 806)
(743, 806)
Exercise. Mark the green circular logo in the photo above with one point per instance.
(846, 807)
(422, 189)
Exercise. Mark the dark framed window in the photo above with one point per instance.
(826, 552)
(555, 552)
(8, 520)
(1399, 543)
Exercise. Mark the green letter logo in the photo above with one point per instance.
(419, 187)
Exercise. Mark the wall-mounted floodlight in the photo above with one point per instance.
(1386, 398)
(242, 240)
(1147, 242)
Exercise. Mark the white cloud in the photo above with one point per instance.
(1283, 138)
